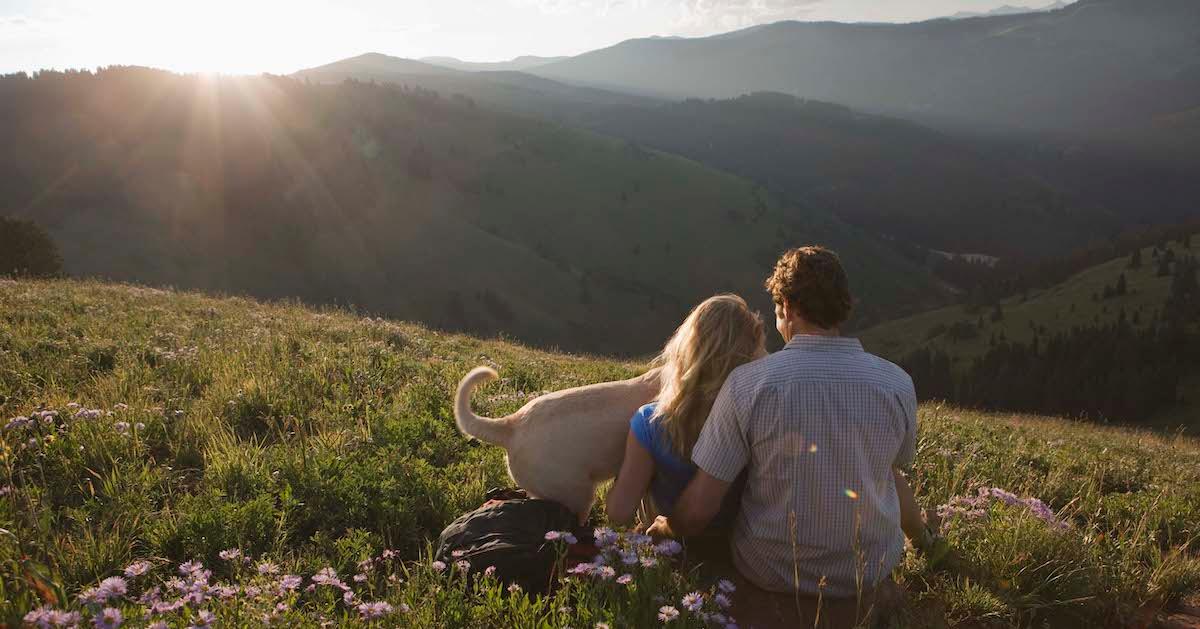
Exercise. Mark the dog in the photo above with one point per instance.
(560, 446)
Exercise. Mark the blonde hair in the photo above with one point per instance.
(718, 335)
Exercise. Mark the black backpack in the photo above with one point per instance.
(509, 533)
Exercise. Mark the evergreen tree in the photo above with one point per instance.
(26, 250)
(1135, 260)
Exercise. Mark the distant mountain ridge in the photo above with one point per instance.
(518, 64)
(1092, 66)
(1008, 9)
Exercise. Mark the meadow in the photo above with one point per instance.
(176, 458)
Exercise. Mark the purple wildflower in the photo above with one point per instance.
(360, 578)
(649, 562)
(666, 613)
(230, 554)
(722, 600)
(190, 567)
(289, 582)
(137, 568)
(121, 427)
(348, 597)
(668, 547)
(582, 569)
(490, 571)
(374, 611)
(17, 423)
(692, 601)
(267, 567)
(110, 618)
(606, 573)
(625, 579)
(113, 587)
(438, 566)
(463, 565)
(605, 536)
(325, 576)
(628, 557)
(204, 618)
(459, 553)
(39, 617)
(569, 538)
(552, 536)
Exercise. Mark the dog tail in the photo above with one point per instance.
(495, 431)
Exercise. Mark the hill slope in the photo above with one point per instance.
(188, 425)
(965, 334)
(1094, 65)
(888, 176)
(399, 202)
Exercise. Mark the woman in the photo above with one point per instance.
(719, 335)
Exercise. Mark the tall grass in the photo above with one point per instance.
(187, 425)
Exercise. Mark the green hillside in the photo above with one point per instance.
(966, 333)
(399, 202)
(169, 427)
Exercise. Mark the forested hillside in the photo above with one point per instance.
(1118, 340)
(401, 202)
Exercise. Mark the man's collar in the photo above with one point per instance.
(815, 342)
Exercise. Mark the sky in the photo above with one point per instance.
(282, 36)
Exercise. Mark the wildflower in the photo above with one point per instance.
(253, 591)
(726, 586)
(360, 578)
(605, 536)
(692, 602)
(605, 572)
(514, 589)
(463, 565)
(6, 490)
(668, 547)
(113, 587)
(404, 608)
(110, 618)
(1006, 497)
(387, 554)
(649, 562)
(666, 613)
(15, 423)
(569, 538)
(72, 405)
(625, 579)
(139, 426)
(373, 611)
(204, 618)
(582, 569)
(490, 571)
(158, 624)
(552, 536)
(120, 406)
(137, 568)
(39, 617)
(723, 601)
(121, 427)
(325, 576)
(628, 557)
(639, 539)
(348, 597)
(438, 566)
(267, 567)
(459, 553)
(230, 554)
(149, 597)
(717, 619)
(289, 582)
(190, 567)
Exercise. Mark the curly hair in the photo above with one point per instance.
(812, 281)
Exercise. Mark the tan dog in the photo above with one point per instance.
(561, 445)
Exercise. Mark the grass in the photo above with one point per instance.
(318, 439)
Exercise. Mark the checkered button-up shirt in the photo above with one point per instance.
(820, 425)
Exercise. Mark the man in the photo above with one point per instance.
(821, 427)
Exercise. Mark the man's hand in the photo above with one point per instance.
(661, 528)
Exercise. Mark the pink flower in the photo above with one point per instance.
(666, 613)
(693, 601)
(438, 566)
(625, 579)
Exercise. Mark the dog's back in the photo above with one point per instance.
(562, 444)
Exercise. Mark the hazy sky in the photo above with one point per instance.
(282, 36)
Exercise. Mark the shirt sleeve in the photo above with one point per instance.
(907, 455)
(639, 425)
(723, 449)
